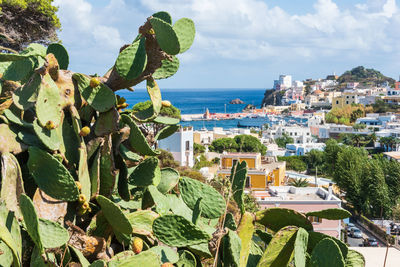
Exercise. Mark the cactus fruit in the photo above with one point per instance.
(94, 82)
(166, 103)
(60, 53)
(50, 125)
(175, 230)
(79, 186)
(51, 176)
(131, 62)
(327, 253)
(82, 198)
(166, 36)
(167, 264)
(212, 206)
(137, 245)
(84, 131)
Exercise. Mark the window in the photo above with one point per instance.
(347, 96)
(187, 145)
(234, 162)
(337, 102)
(314, 219)
(347, 102)
(353, 97)
(247, 182)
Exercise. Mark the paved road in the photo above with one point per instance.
(357, 242)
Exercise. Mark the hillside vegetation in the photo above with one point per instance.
(363, 75)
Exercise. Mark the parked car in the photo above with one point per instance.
(349, 226)
(370, 242)
(355, 232)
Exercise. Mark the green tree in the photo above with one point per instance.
(380, 106)
(198, 149)
(249, 143)
(359, 126)
(27, 21)
(374, 190)
(223, 144)
(392, 178)
(295, 163)
(315, 160)
(284, 140)
(331, 152)
(358, 113)
(166, 159)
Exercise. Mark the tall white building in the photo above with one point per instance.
(180, 144)
(285, 81)
(300, 134)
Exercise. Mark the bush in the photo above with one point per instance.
(295, 163)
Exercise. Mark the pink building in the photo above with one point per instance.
(303, 199)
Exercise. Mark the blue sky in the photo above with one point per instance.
(242, 43)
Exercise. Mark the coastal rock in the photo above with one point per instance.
(272, 98)
(236, 101)
(249, 107)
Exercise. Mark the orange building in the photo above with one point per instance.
(259, 173)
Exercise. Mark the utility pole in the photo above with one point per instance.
(316, 171)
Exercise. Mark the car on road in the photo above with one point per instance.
(355, 233)
(370, 242)
(349, 226)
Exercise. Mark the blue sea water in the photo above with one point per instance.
(195, 101)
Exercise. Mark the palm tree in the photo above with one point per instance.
(302, 182)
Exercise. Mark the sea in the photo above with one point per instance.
(196, 101)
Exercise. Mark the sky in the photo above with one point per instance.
(242, 43)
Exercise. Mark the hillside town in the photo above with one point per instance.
(311, 114)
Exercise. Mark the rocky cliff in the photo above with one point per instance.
(272, 97)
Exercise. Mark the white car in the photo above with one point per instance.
(355, 232)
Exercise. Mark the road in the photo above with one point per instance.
(357, 242)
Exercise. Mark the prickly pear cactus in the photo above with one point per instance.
(100, 197)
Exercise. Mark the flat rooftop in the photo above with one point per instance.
(393, 154)
(291, 193)
(376, 256)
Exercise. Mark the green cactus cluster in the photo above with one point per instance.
(81, 183)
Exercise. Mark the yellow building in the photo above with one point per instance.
(259, 173)
(346, 99)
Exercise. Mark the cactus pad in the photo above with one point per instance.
(107, 122)
(165, 16)
(280, 249)
(166, 120)
(245, 232)
(231, 249)
(142, 221)
(264, 236)
(114, 215)
(300, 248)
(230, 221)
(184, 29)
(131, 62)
(12, 185)
(166, 254)
(330, 214)
(25, 96)
(276, 218)
(166, 132)
(161, 201)
(167, 69)
(101, 98)
(48, 103)
(175, 230)
(146, 258)
(169, 179)
(30, 219)
(7, 238)
(20, 70)
(238, 178)
(327, 253)
(136, 138)
(212, 206)
(60, 53)
(186, 259)
(315, 237)
(355, 259)
(50, 138)
(8, 141)
(146, 173)
(52, 234)
(166, 37)
(51, 176)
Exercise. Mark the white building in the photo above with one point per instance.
(285, 81)
(180, 144)
(300, 134)
(302, 149)
(298, 84)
